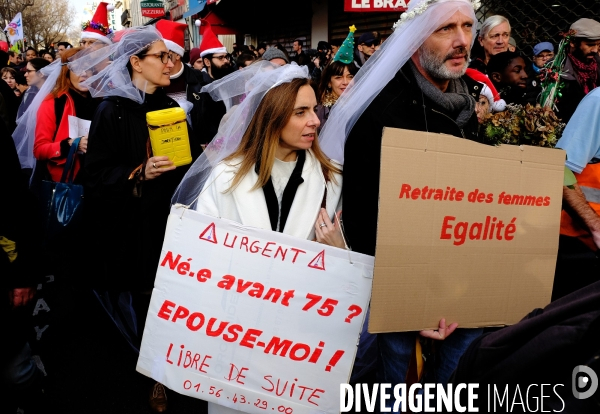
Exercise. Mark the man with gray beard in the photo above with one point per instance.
(429, 93)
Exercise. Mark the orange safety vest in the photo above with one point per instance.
(589, 183)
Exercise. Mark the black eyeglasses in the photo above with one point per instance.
(163, 56)
(29, 70)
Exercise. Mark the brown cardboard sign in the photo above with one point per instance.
(466, 231)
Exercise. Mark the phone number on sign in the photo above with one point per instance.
(241, 399)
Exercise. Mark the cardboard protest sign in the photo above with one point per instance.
(466, 231)
(251, 319)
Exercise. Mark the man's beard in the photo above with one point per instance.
(220, 72)
(435, 66)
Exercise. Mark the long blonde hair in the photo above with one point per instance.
(260, 141)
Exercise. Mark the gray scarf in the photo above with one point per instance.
(457, 101)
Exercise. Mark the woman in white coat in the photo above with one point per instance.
(274, 175)
(278, 178)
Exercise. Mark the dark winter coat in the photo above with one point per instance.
(211, 113)
(20, 223)
(399, 105)
(125, 229)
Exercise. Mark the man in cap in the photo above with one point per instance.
(186, 82)
(543, 53)
(512, 44)
(581, 71)
(429, 93)
(365, 48)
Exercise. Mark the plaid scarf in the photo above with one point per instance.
(586, 73)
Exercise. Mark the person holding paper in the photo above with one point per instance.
(265, 168)
(128, 189)
(415, 81)
(67, 98)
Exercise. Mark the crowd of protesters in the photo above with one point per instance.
(443, 87)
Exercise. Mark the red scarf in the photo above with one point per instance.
(586, 73)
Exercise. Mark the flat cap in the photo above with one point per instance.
(587, 29)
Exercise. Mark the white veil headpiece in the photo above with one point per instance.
(423, 17)
(241, 91)
(114, 78)
(24, 134)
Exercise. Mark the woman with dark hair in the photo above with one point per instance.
(35, 80)
(48, 55)
(9, 75)
(68, 98)
(335, 78)
(128, 188)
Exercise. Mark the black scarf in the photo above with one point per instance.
(288, 194)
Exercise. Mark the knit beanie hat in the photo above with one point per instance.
(345, 53)
(488, 90)
(194, 55)
(274, 53)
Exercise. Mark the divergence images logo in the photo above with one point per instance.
(585, 382)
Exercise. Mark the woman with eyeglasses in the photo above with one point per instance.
(128, 188)
(35, 80)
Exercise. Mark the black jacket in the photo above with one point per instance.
(399, 105)
(543, 348)
(572, 91)
(211, 113)
(194, 81)
(126, 230)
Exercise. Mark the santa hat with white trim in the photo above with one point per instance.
(173, 34)
(210, 42)
(98, 28)
(488, 90)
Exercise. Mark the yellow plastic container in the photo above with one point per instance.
(169, 135)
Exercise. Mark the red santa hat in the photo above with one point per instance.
(173, 34)
(488, 90)
(210, 42)
(98, 28)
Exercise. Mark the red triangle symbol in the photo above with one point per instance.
(209, 234)
(318, 262)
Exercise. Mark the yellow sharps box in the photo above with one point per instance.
(169, 135)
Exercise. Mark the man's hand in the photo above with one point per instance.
(442, 332)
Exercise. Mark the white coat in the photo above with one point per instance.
(249, 207)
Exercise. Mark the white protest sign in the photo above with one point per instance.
(251, 319)
(78, 127)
